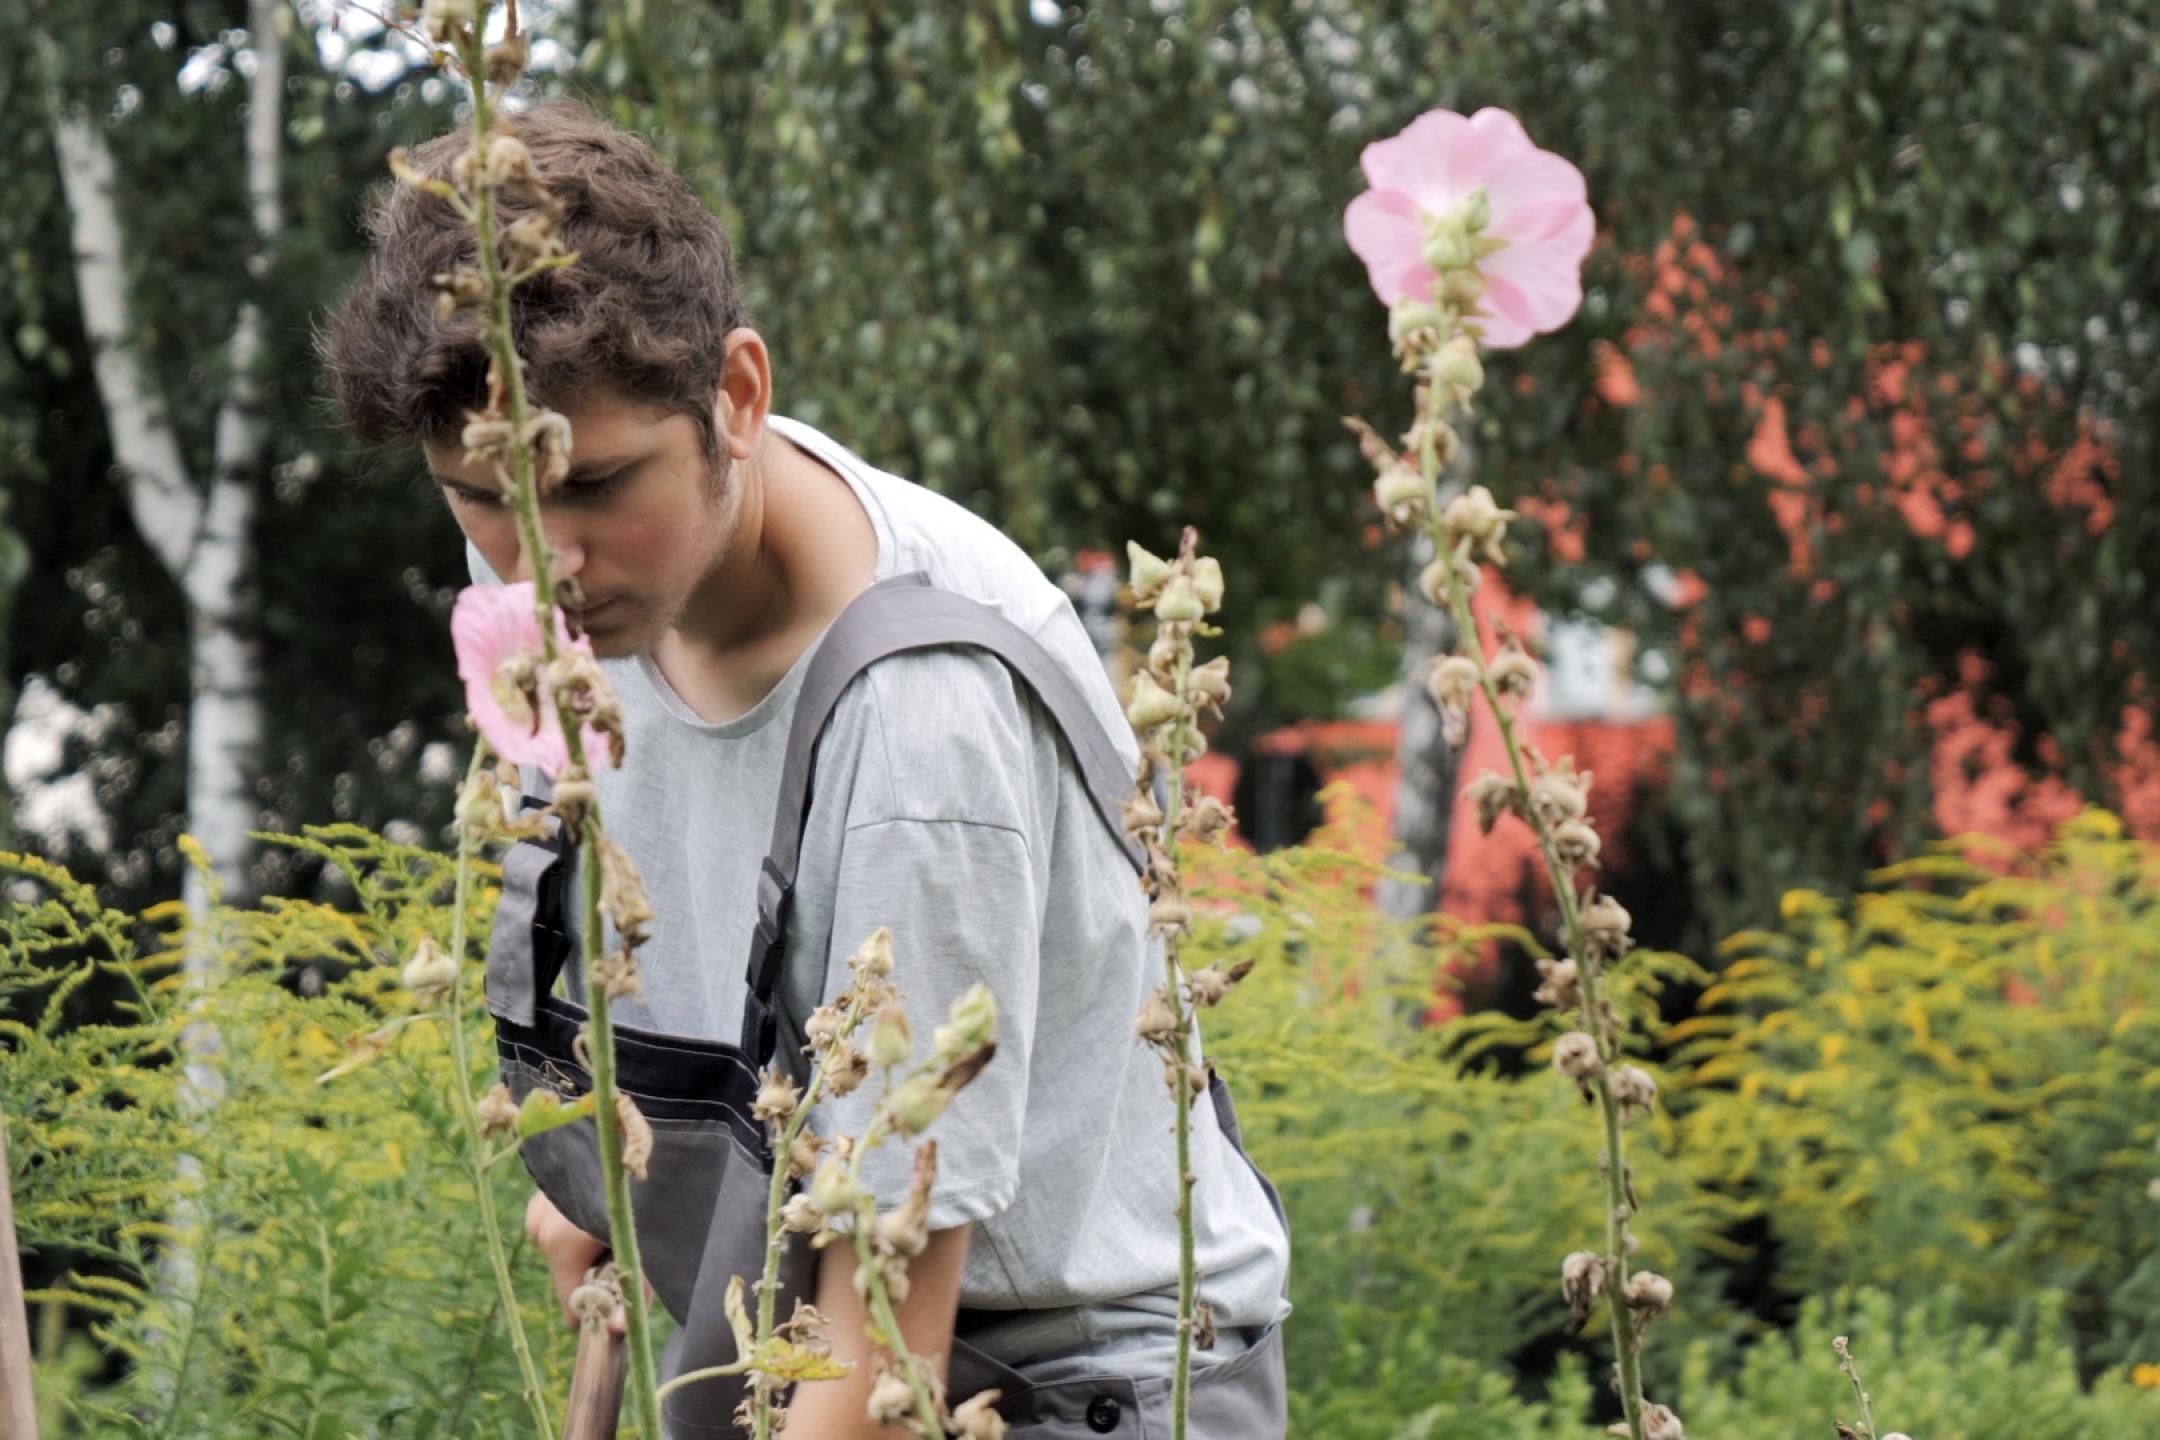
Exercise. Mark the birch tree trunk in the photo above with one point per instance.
(203, 536)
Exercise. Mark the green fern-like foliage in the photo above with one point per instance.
(282, 1256)
(1431, 1197)
(1950, 1084)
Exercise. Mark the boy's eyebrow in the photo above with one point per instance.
(591, 469)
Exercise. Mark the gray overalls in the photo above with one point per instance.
(701, 1213)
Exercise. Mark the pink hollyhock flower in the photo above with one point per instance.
(1534, 201)
(496, 636)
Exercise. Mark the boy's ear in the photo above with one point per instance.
(744, 398)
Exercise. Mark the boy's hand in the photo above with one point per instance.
(570, 1253)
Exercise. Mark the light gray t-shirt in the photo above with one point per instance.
(946, 809)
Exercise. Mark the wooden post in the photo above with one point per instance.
(596, 1385)
(18, 1412)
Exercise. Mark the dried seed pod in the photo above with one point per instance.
(1150, 705)
(977, 1419)
(874, 957)
(1649, 1292)
(496, 1112)
(1605, 923)
(1575, 1055)
(1632, 1090)
(1494, 795)
(1582, 1281)
(1562, 985)
(637, 1136)
(892, 1399)
(431, 970)
(776, 1098)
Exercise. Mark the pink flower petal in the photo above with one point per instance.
(1537, 203)
(1384, 231)
(489, 625)
(1436, 160)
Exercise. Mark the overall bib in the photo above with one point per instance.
(700, 1214)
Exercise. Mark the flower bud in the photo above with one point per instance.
(1460, 288)
(801, 1216)
(874, 957)
(593, 1302)
(1207, 582)
(833, 1190)
(1447, 244)
(1575, 1055)
(975, 1419)
(1205, 819)
(574, 797)
(1649, 1292)
(431, 970)
(902, 1232)
(1157, 1023)
(1452, 682)
(892, 1399)
(1402, 493)
(1414, 327)
(1146, 572)
(1605, 924)
(1209, 985)
(1456, 363)
(1514, 673)
(1576, 844)
(507, 58)
(1150, 705)
(1170, 914)
(1179, 603)
(496, 1112)
(1560, 795)
(917, 1103)
(1210, 683)
(1659, 1423)
(1475, 210)
(969, 1025)
(891, 1043)
(776, 1098)
(824, 1028)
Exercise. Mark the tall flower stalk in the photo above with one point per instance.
(1474, 238)
(543, 701)
(1164, 707)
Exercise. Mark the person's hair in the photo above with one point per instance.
(642, 314)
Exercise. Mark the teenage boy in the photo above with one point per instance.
(714, 541)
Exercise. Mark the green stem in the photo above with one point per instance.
(768, 1285)
(622, 1227)
(599, 1034)
(1627, 1353)
(881, 1311)
(475, 1145)
(1181, 1091)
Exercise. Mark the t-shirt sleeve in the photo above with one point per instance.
(937, 848)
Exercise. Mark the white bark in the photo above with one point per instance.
(204, 540)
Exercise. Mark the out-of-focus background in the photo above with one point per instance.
(1841, 494)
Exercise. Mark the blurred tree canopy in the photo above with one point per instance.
(1081, 267)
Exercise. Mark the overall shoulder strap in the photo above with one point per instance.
(906, 613)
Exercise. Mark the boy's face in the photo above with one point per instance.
(641, 523)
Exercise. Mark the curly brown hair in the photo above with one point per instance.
(643, 314)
